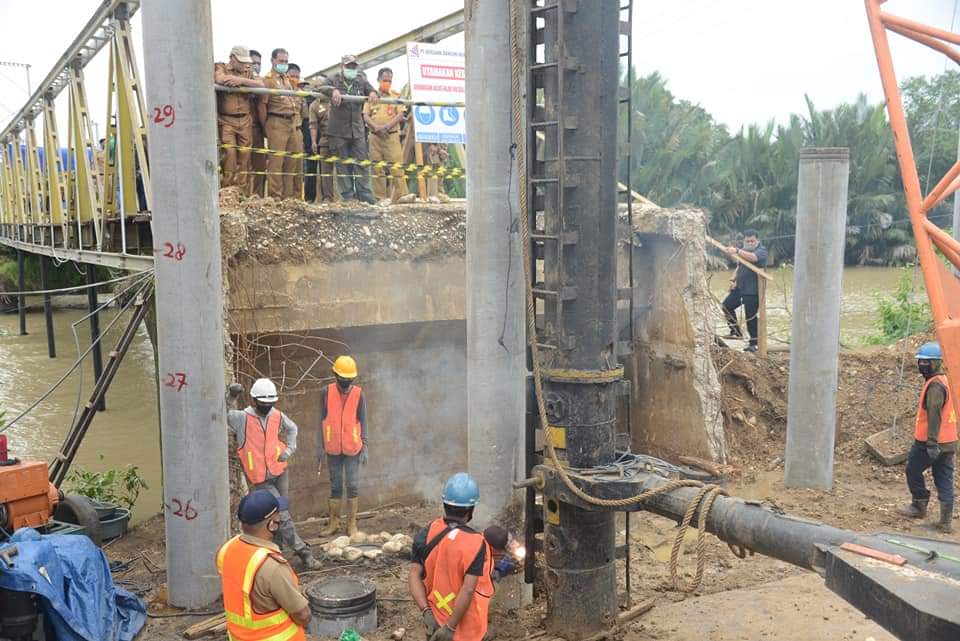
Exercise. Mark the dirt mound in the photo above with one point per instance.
(273, 231)
(872, 395)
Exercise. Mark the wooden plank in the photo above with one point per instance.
(746, 263)
(634, 612)
(205, 627)
(862, 550)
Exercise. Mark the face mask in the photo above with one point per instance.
(281, 67)
(343, 384)
(264, 408)
(928, 368)
(349, 74)
(385, 85)
(256, 67)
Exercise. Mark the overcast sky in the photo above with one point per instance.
(742, 60)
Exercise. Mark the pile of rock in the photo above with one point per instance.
(368, 546)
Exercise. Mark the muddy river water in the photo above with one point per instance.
(128, 434)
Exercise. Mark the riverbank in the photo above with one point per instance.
(865, 497)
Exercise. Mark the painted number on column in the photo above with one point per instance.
(165, 115)
(176, 252)
(176, 380)
(181, 509)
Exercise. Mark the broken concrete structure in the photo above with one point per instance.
(307, 283)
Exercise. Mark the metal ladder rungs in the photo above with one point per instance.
(537, 181)
(543, 65)
(546, 346)
(535, 11)
(544, 123)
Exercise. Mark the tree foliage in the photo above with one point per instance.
(680, 154)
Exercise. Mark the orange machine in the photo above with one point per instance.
(27, 497)
(943, 287)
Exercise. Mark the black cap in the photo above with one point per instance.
(258, 506)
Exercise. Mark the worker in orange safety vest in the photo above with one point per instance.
(261, 592)
(265, 439)
(343, 441)
(935, 440)
(451, 569)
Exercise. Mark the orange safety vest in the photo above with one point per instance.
(238, 563)
(342, 433)
(262, 448)
(948, 415)
(445, 568)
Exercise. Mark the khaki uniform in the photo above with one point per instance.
(386, 148)
(259, 161)
(235, 125)
(437, 155)
(282, 135)
(298, 119)
(274, 587)
(318, 113)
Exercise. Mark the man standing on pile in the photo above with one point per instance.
(744, 288)
(346, 130)
(319, 111)
(384, 120)
(276, 115)
(266, 438)
(261, 593)
(235, 115)
(935, 440)
(258, 162)
(343, 441)
(451, 568)
(293, 73)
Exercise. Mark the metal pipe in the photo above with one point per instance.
(177, 45)
(91, 272)
(815, 337)
(21, 299)
(326, 94)
(47, 307)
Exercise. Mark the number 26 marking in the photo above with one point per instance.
(165, 115)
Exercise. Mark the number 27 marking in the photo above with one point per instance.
(165, 115)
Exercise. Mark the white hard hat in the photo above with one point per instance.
(264, 390)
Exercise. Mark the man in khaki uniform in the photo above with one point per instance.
(437, 156)
(235, 115)
(276, 114)
(259, 161)
(293, 74)
(383, 121)
(275, 590)
(319, 110)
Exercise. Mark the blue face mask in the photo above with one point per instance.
(349, 74)
(281, 67)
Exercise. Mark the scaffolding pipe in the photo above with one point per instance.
(177, 43)
(21, 287)
(91, 272)
(47, 306)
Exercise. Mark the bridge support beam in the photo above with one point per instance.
(47, 306)
(21, 299)
(91, 272)
(178, 48)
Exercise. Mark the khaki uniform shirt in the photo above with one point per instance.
(279, 105)
(380, 114)
(274, 587)
(231, 103)
(318, 113)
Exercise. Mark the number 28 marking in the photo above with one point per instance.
(175, 252)
(165, 115)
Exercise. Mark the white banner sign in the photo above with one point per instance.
(437, 75)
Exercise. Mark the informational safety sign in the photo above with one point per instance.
(437, 75)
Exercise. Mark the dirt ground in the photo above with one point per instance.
(755, 598)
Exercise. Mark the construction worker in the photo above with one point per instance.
(437, 156)
(343, 442)
(258, 162)
(319, 111)
(744, 288)
(261, 592)
(235, 115)
(935, 440)
(293, 73)
(452, 566)
(276, 115)
(346, 130)
(266, 438)
(383, 121)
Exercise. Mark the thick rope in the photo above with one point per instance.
(518, 57)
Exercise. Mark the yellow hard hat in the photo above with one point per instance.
(345, 367)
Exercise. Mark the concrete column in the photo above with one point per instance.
(496, 352)
(815, 339)
(177, 45)
(47, 306)
(21, 299)
(92, 303)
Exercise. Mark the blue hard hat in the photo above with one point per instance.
(461, 490)
(930, 352)
(258, 505)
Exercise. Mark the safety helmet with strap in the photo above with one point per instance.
(461, 490)
(264, 391)
(345, 367)
(930, 352)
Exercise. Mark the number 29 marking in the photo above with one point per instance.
(165, 115)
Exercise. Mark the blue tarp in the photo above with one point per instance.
(72, 575)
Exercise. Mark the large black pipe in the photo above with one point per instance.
(91, 273)
(47, 306)
(21, 299)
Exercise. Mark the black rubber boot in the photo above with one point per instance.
(916, 510)
(308, 561)
(945, 524)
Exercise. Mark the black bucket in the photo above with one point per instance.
(342, 603)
